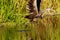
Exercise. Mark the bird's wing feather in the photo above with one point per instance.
(32, 7)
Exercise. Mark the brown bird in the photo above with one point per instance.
(33, 6)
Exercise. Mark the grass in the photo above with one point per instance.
(12, 22)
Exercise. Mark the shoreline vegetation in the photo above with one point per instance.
(13, 25)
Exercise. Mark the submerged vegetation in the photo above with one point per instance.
(13, 25)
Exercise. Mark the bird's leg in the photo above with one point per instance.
(32, 20)
(39, 16)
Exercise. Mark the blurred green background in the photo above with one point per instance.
(13, 25)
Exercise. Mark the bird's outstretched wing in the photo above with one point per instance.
(50, 11)
(32, 9)
(32, 6)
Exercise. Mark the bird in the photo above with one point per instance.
(33, 7)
